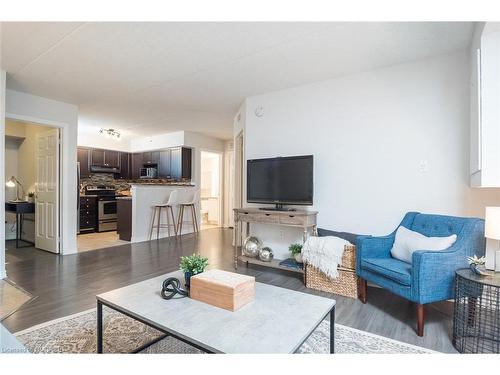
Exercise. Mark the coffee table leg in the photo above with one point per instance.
(99, 327)
(332, 330)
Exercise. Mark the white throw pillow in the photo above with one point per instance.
(408, 241)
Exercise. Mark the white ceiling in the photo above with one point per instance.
(153, 78)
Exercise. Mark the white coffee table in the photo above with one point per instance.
(277, 321)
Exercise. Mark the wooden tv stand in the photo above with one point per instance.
(305, 220)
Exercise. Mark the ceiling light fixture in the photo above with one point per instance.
(112, 133)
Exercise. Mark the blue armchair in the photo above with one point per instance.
(430, 277)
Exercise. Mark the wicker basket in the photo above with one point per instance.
(347, 282)
(349, 257)
(345, 285)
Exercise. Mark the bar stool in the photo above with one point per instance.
(172, 201)
(190, 204)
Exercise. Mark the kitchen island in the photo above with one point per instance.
(138, 209)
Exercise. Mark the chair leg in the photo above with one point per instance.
(173, 220)
(152, 224)
(420, 320)
(181, 218)
(158, 224)
(193, 219)
(168, 222)
(196, 219)
(363, 290)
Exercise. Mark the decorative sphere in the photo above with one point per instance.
(266, 254)
(252, 246)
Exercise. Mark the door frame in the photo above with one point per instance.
(61, 127)
(239, 169)
(220, 222)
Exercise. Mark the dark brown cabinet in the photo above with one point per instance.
(97, 157)
(124, 166)
(150, 157)
(111, 158)
(124, 219)
(136, 165)
(180, 163)
(83, 157)
(164, 164)
(172, 163)
(107, 158)
(88, 213)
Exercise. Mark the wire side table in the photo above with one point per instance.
(476, 317)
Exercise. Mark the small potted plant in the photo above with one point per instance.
(31, 197)
(192, 265)
(477, 264)
(296, 251)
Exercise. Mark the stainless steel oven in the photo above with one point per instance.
(106, 214)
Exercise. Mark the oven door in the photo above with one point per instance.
(107, 209)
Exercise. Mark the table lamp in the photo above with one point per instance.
(14, 182)
(492, 232)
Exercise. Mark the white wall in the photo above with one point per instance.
(157, 142)
(2, 173)
(384, 142)
(43, 111)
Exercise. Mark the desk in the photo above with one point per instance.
(20, 208)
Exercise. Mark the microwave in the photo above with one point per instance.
(149, 172)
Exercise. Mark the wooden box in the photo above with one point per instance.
(223, 289)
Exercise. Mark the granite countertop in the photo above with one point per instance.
(161, 184)
(96, 196)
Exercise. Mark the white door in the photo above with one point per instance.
(47, 191)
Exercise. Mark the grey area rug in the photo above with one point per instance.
(77, 334)
(12, 297)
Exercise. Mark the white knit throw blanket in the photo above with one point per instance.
(324, 253)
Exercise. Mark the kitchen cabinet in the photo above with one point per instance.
(124, 218)
(164, 164)
(124, 166)
(171, 163)
(180, 163)
(88, 213)
(107, 158)
(83, 157)
(150, 157)
(97, 157)
(111, 158)
(136, 165)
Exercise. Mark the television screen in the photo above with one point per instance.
(286, 180)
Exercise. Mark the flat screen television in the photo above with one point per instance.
(282, 180)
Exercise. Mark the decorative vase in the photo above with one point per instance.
(187, 278)
(252, 246)
(298, 257)
(266, 254)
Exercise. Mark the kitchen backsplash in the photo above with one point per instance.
(122, 185)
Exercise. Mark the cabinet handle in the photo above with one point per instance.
(291, 215)
(268, 214)
(246, 213)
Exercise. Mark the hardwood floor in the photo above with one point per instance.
(68, 284)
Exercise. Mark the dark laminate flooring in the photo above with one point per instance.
(66, 285)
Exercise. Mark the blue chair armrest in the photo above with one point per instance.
(433, 272)
(373, 247)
